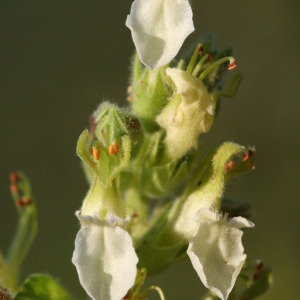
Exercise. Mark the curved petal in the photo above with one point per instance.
(159, 28)
(105, 260)
(217, 253)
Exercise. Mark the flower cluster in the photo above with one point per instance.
(154, 198)
(151, 200)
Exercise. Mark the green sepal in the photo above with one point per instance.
(212, 80)
(229, 159)
(258, 286)
(110, 123)
(104, 195)
(165, 179)
(149, 94)
(207, 185)
(159, 246)
(107, 167)
(41, 287)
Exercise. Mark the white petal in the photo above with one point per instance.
(217, 253)
(159, 28)
(105, 260)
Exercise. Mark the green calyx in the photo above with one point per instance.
(148, 93)
(106, 151)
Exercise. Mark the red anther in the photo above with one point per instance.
(200, 50)
(229, 165)
(247, 155)
(13, 190)
(13, 176)
(113, 149)
(232, 65)
(27, 201)
(19, 203)
(95, 152)
(260, 266)
(209, 57)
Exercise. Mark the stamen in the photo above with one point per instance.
(113, 149)
(232, 64)
(215, 65)
(209, 57)
(95, 152)
(247, 155)
(199, 65)
(13, 176)
(194, 58)
(23, 202)
(19, 203)
(201, 50)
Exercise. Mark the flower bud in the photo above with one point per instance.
(189, 113)
(148, 93)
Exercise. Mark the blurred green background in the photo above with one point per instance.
(60, 58)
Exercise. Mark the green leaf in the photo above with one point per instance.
(41, 287)
(160, 246)
(262, 283)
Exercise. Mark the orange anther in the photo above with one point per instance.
(95, 152)
(113, 149)
(247, 155)
(13, 176)
(19, 203)
(229, 165)
(232, 65)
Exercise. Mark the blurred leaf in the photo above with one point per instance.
(41, 287)
(260, 285)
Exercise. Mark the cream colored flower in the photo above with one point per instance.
(159, 28)
(216, 251)
(104, 258)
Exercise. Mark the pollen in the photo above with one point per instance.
(113, 149)
(232, 65)
(247, 155)
(95, 152)
(13, 176)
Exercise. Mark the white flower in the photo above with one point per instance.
(105, 258)
(159, 28)
(216, 251)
